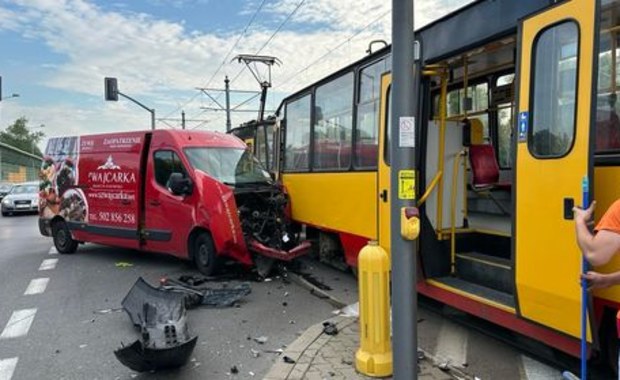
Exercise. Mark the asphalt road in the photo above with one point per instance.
(73, 333)
(71, 327)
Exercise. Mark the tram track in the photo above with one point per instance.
(525, 345)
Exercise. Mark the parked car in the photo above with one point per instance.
(5, 188)
(23, 197)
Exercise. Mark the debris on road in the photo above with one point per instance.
(315, 289)
(123, 264)
(352, 311)
(255, 353)
(261, 339)
(330, 328)
(203, 296)
(314, 281)
(288, 360)
(108, 311)
(162, 319)
(234, 370)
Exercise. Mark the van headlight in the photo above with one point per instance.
(6, 202)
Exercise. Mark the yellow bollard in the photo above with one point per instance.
(374, 357)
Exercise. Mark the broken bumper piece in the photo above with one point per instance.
(162, 319)
(142, 359)
(280, 254)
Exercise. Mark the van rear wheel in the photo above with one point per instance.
(63, 241)
(205, 257)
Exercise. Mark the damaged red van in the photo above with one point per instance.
(196, 195)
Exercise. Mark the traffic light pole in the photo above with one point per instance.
(402, 190)
(151, 110)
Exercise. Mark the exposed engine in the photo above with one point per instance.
(262, 217)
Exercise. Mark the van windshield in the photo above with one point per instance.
(229, 165)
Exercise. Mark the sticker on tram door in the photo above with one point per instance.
(406, 184)
(523, 125)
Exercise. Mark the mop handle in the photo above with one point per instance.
(585, 189)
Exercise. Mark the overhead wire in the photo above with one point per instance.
(250, 22)
(348, 39)
(273, 35)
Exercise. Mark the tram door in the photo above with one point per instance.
(383, 176)
(553, 156)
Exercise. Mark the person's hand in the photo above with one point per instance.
(596, 280)
(582, 215)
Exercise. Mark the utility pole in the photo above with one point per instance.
(227, 89)
(402, 190)
(183, 119)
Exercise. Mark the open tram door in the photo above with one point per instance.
(556, 84)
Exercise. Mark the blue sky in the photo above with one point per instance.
(55, 54)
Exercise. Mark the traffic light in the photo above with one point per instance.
(111, 89)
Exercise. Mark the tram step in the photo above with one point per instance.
(490, 271)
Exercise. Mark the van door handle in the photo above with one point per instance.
(155, 202)
(384, 195)
(126, 201)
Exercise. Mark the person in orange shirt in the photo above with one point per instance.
(599, 247)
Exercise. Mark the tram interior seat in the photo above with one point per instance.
(485, 174)
(483, 164)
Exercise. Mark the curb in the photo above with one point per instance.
(313, 335)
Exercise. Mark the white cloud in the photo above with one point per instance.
(156, 59)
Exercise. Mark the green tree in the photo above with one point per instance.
(19, 136)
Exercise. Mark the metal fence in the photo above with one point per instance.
(17, 165)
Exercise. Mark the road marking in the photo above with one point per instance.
(452, 344)
(534, 370)
(37, 286)
(19, 323)
(48, 264)
(53, 251)
(7, 367)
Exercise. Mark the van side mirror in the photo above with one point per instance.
(180, 185)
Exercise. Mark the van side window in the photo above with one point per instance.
(166, 163)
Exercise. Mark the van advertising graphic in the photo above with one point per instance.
(58, 175)
(104, 189)
(110, 170)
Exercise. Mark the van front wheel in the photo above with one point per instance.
(205, 257)
(62, 238)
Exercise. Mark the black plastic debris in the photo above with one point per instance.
(162, 319)
(330, 328)
(288, 359)
(201, 296)
(234, 370)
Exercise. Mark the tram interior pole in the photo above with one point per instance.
(402, 190)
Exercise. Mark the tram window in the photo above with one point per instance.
(297, 138)
(367, 118)
(607, 106)
(479, 95)
(504, 124)
(333, 126)
(554, 91)
(504, 134)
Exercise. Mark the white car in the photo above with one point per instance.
(23, 197)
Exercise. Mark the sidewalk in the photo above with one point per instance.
(319, 356)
